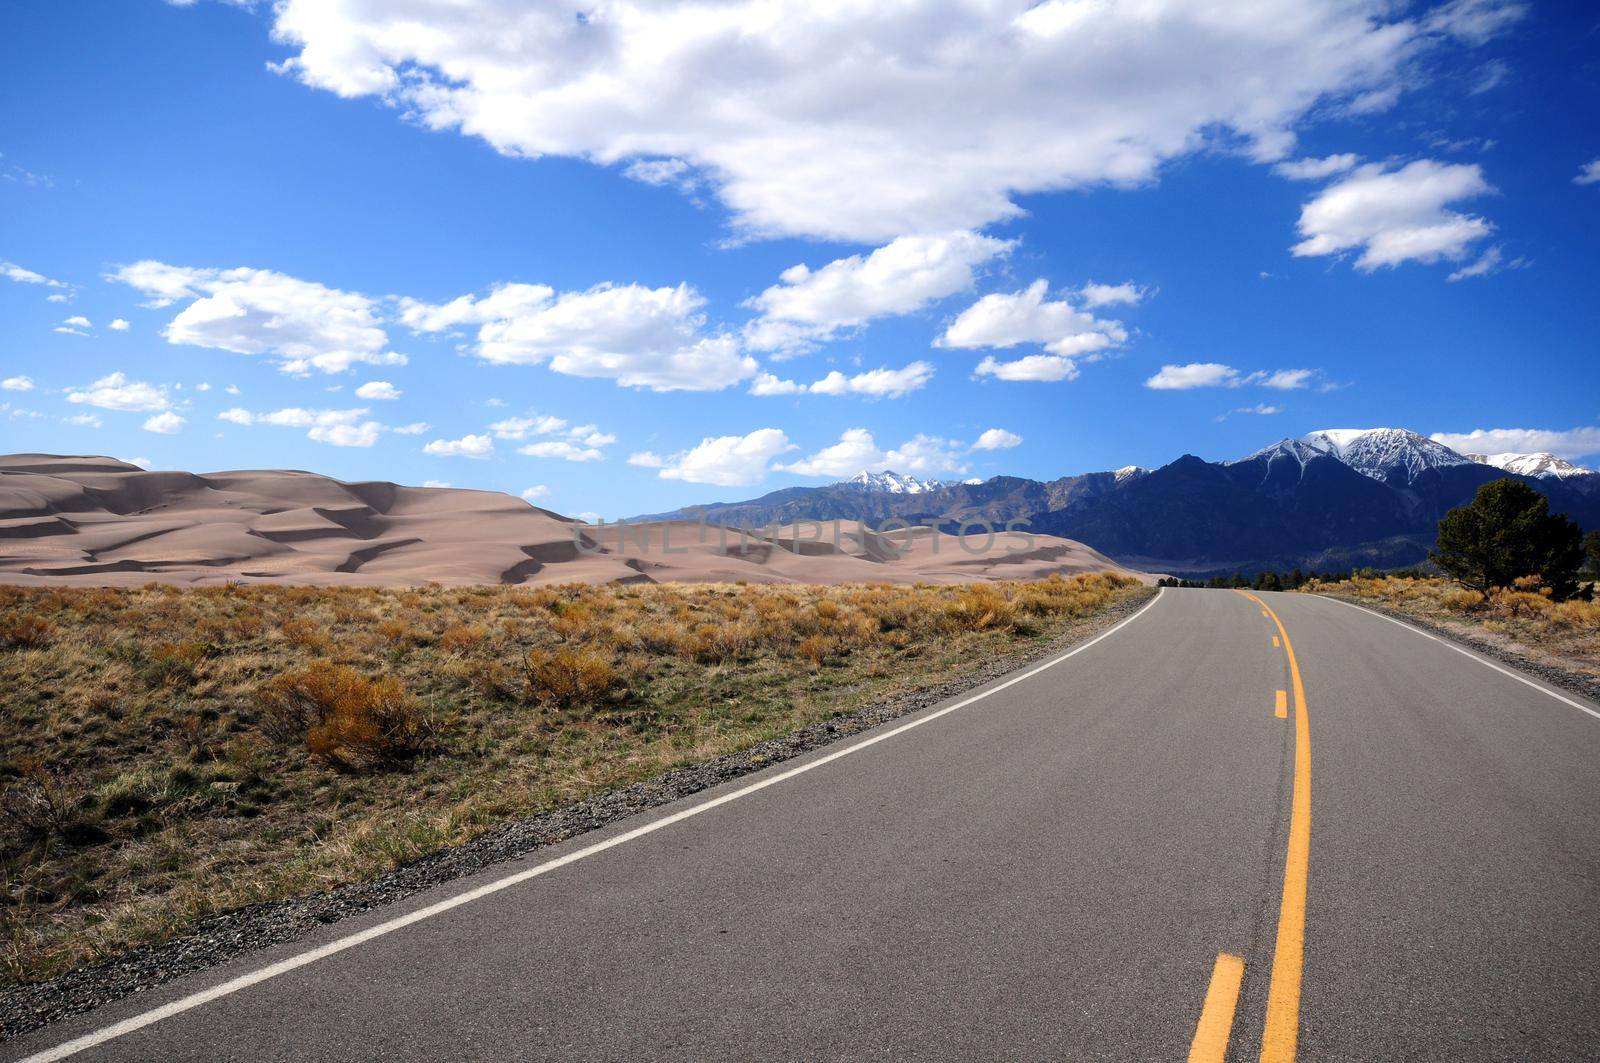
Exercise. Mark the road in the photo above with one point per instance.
(1096, 860)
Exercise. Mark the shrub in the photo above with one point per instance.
(307, 634)
(571, 679)
(462, 638)
(353, 722)
(26, 632)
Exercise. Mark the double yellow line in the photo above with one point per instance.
(1282, 1030)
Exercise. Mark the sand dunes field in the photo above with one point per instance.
(99, 521)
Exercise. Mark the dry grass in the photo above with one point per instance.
(169, 753)
(1522, 617)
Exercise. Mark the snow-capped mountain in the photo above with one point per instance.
(893, 483)
(1540, 464)
(1386, 454)
(1128, 472)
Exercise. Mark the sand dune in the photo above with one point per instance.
(99, 521)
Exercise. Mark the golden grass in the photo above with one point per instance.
(169, 753)
(1522, 616)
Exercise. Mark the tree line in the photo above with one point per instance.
(1505, 533)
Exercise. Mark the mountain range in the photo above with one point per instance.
(1332, 499)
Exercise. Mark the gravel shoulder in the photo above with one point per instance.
(30, 1006)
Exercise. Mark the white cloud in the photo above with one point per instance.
(232, 389)
(364, 434)
(1006, 319)
(116, 392)
(812, 306)
(468, 446)
(522, 427)
(1588, 174)
(881, 383)
(674, 172)
(1193, 375)
(143, 463)
(13, 272)
(534, 493)
(164, 423)
(640, 337)
(1475, 21)
(339, 428)
(303, 324)
(865, 121)
(202, 386)
(725, 461)
(84, 420)
(1261, 409)
(1045, 368)
(378, 390)
(415, 428)
(17, 383)
(1097, 295)
(436, 483)
(560, 448)
(1395, 216)
(922, 455)
(1572, 443)
(118, 324)
(1283, 379)
(1489, 263)
(1315, 169)
(997, 439)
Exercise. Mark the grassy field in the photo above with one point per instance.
(171, 753)
(1519, 618)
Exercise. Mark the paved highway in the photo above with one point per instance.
(1142, 851)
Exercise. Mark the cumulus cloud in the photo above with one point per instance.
(1033, 367)
(17, 383)
(118, 324)
(725, 461)
(164, 423)
(534, 493)
(997, 439)
(375, 390)
(928, 117)
(814, 305)
(116, 392)
(921, 455)
(305, 325)
(1096, 295)
(1588, 174)
(1571, 443)
(880, 383)
(1315, 169)
(84, 420)
(338, 428)
(522, 427)
(572, 443)
(1395, 216)
(1193, 375)
(564, 449)
(468, 446)
(651, 338)
(1002, 320)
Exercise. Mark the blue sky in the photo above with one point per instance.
(1072, 237)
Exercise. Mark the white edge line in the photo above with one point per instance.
(1468, 653)
(245, 981)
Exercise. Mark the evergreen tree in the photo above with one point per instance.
(1508, 531)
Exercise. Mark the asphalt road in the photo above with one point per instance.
(1049, 872)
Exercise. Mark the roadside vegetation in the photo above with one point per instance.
(168, 753)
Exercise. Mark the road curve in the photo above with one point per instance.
(1094, 861)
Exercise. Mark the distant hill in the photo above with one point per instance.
(1337, 498)
(95, 520)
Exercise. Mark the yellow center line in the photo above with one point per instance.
(1275, 642)
(1281, 707)
(1210, 1043)
(1282, 1030)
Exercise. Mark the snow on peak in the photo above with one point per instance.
(1128, 472)
(893, 483)
(1299, 450)
(1383, 453)
(1539, 464)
